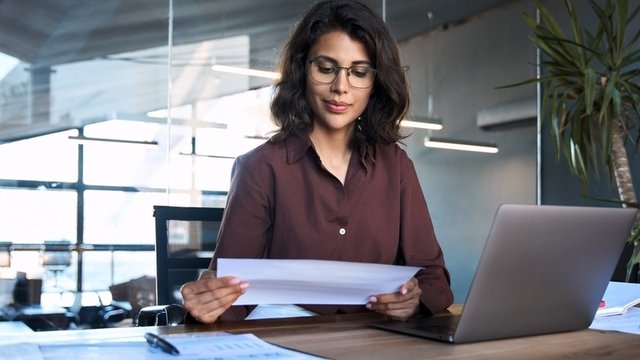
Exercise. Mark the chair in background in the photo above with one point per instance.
(56, 258)
(185, 241)
(137, 293)
(161, 315)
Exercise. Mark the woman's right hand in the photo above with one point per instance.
(208, 297)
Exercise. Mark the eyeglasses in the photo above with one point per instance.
(326, 72)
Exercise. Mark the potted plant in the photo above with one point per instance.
(591, 95)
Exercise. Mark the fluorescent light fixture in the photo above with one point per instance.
(460, 145)
(427, 123)
(84, 140)
(245, 71)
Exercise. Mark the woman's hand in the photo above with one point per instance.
(400, 305)
(208, 297)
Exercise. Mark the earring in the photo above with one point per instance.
(358, 123)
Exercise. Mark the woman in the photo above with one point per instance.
(332, 184)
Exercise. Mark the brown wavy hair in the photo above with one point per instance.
(389, 100)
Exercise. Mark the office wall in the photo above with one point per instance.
(463, 190)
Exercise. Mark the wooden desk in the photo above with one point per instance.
(349, 337)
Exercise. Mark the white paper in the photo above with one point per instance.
(20, 351)
(313, 281)
(628, 323)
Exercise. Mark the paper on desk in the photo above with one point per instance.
(628, 322)
(313, 281)
(202, 346)
(20, 351)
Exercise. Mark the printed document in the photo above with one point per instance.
(313, 281)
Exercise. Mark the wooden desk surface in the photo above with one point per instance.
(349, 337)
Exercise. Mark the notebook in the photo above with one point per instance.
(544, 269)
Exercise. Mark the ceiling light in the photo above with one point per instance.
(427, 123)
(84, 140)
(460, 145)
(245, 71)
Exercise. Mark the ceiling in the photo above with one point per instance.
(32, 30)
(44, 34)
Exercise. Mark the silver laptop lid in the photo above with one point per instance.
(544, 269)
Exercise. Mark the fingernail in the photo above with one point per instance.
(373, 299)
(244, 285)
(234, 281)
(369, 306)
(403, 291)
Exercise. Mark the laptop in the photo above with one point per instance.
(544, 269)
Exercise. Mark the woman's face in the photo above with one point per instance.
(337, 104)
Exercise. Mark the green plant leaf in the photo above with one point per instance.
(609, 93)
(590, 78)
(635, 255)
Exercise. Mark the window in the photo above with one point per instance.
(114, 84)
(31, 216)
(116, 217)
(106, 268)
(44, 158)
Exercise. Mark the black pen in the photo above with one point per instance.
(164, 345)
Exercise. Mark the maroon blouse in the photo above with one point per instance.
(283, 204)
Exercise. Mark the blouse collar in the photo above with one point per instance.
(298, 145)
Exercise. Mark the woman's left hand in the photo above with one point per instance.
(400, 305)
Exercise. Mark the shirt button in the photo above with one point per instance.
(342, 231)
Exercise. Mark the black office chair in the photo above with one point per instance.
(185, 241)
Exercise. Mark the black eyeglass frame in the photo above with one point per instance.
(348, 69)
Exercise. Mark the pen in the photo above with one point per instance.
(164, 345)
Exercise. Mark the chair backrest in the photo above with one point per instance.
(185, 241)
(56, 255)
